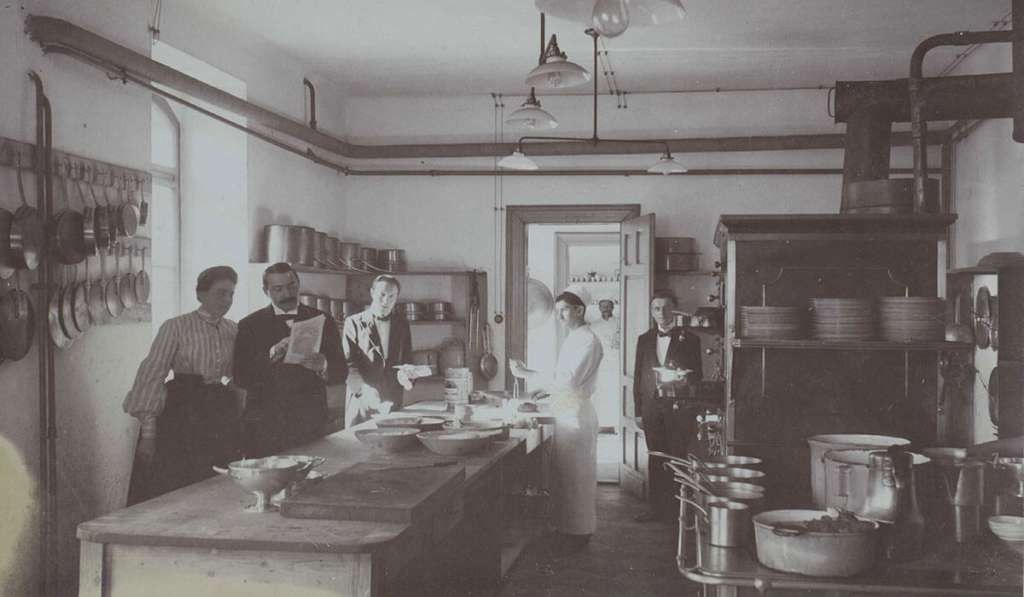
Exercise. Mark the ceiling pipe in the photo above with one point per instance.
(59, 36)
(1018, 69)
(949, 98)
(918, 122)
(312, 102)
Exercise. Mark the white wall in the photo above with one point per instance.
(989, 176)
(94, 436)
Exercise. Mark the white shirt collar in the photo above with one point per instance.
(278, 311)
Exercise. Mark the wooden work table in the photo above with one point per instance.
(199, 541)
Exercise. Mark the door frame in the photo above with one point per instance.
(517, 218)
(565, 240)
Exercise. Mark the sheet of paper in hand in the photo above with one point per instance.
(305, 339)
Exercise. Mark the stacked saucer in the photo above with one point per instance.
(771, 323)
(842, 319)
(912, 318)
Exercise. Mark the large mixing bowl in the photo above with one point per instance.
(264, 477)
(456, 442)
(305, 471)
(390, 439)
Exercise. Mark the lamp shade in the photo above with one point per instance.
(641, 13)
(667, 165)
(517, 161)
(531, 115)
(557, 73)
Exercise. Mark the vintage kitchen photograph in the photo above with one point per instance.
(528, 298)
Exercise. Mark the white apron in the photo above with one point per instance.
(574, 466)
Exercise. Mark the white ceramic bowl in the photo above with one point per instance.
(1007, 528)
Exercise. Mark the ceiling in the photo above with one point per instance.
(376, 48)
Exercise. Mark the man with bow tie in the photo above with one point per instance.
(287, 403)
(667, 423)
(375, 341)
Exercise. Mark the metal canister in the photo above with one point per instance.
(323, 303)
(331, 252)
(348, 254)
(320, 249)
(367, 257)
(308, 299)
(291, 244)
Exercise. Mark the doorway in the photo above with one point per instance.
(550, 248)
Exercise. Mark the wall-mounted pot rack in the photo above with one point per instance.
(88, 170)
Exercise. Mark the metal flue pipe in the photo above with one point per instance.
(1018, 69)
(918, 124)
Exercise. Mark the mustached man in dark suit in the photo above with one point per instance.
(667, 423)
(287, 403)
(375, 341)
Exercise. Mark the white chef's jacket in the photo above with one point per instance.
(574, 466)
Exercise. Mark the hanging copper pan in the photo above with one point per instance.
(17, 322)
(58, 333)
(101, 223)
(111, 219)
(88, 222)
(97, 307)
(127, 212)
(110, 298)
(27, 231)
(67, 307)
(80, 301)
(7, 268)
(126, 285)
(67, 232)
(142, 281)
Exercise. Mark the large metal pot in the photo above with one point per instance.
(323, 303)
(320, 250)
(291, 244)
(812, 553)
(308, 299)
(331, 252)
(348, 254)
(821, 444)
(846, 477)
(337, 309)
(728, 521)
(368, 258)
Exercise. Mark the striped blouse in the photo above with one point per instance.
(191, 343)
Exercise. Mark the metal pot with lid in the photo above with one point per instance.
(290, 244)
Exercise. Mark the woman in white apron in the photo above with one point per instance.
(571, 384)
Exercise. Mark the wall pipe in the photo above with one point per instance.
(312, 102)
(47, 390)
(918, 123)
(1018, 69)
(59, 36)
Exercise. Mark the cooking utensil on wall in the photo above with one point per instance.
(128, 212)
(67, 232)
(88, 222)
(97, 308)
(126, 285)
(28, 231)
(79, 299)
(112, 290)
(6, 265)
(539, 303)
(67, 306)
(111, 302)
(982, 318)
(17, 322)
(488, 362)
(956, 331)
(142, 281)
(58, 334)
(101, 221)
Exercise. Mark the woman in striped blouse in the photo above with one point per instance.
(191, 422)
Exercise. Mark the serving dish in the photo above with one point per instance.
(455, 442)
(390, 439)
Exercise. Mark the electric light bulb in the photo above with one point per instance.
(611, 17)
(555, 80)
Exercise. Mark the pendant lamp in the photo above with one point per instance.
(517, 161)
(612, 17)
(531, 116)
(667, 165)
(556, 72)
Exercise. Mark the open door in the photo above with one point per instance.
(637, 274)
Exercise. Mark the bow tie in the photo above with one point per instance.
(384, 318)
(667, 334)
(287, 316)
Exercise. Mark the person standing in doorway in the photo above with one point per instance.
(374, 342)
(668, 424)
(571, 385)
(190, 423)
(287, 403)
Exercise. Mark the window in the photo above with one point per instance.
(165, 211)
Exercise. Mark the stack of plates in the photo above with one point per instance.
(772, 323)
(842, 319)
(912, 318)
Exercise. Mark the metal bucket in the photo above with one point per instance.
(291, 244)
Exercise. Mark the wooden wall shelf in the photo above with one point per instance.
(810, 344)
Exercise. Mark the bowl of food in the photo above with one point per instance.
(389, 439)
(264, 477)
(396, 420)
(497, 427)
(303, 473)
(815, 542)
(455, 442)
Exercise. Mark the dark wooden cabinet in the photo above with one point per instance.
(779, 392)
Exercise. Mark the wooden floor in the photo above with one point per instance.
(624, 558)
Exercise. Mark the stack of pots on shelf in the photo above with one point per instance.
(771, 323)
(912, 318)
(412, 311)
(842, 319)
(440, 311)
(338, 309)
